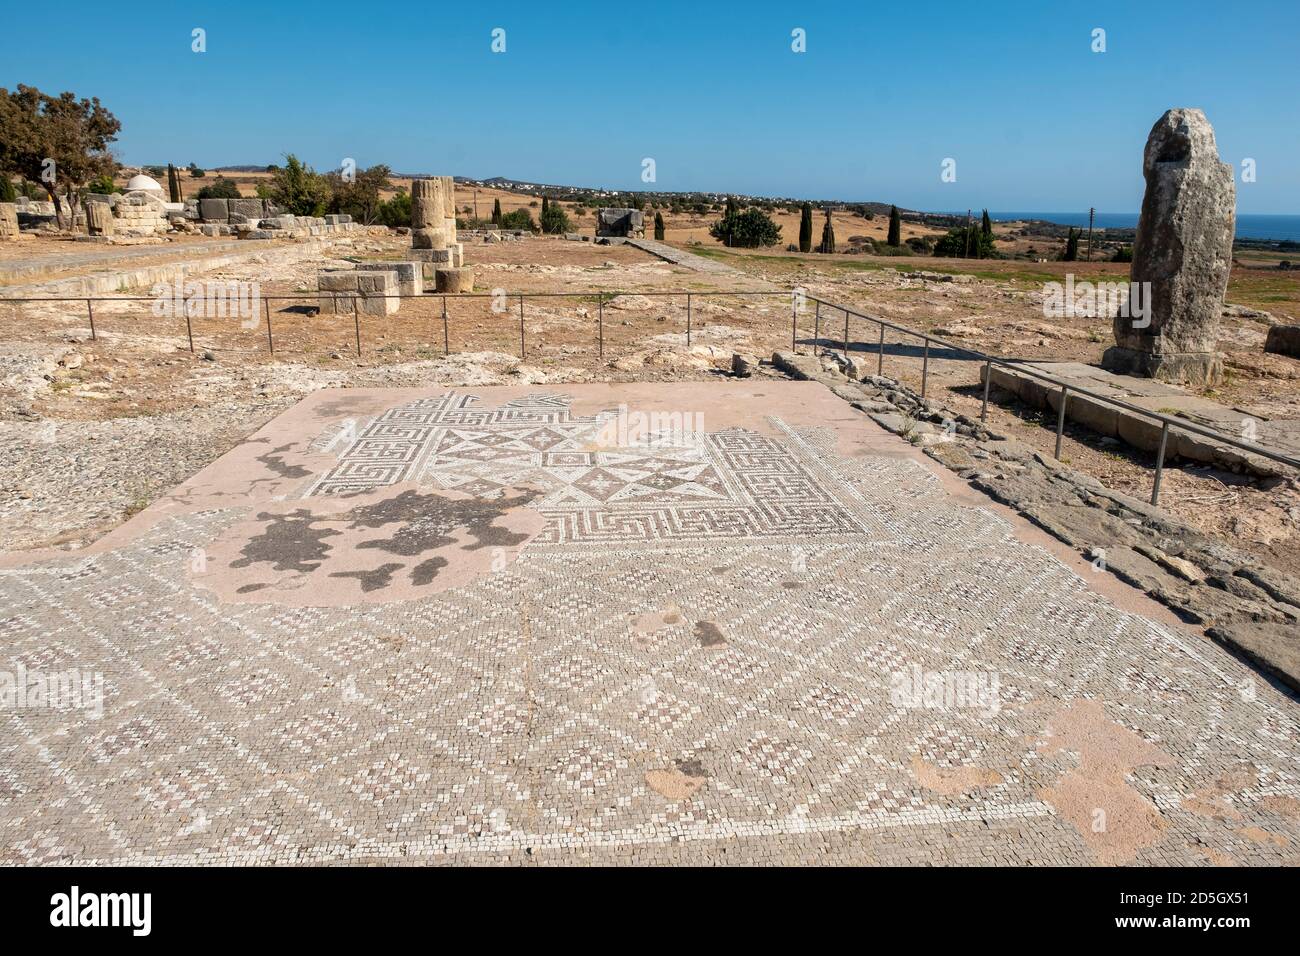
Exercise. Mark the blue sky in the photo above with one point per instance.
(711, 91)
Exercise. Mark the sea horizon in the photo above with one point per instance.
(1278, 227)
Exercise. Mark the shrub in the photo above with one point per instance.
(196, 172)
(746, 230)
(1123, 254)
(554, 219)
(300, 189)
(101, 185)
(396, 211)
(7, 191)
(519, 219)
(219, 188)
(962, 242)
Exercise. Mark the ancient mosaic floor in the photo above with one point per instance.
(528, 625)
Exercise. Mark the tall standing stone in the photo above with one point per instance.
(99, 218)
(8, 221)
(1184, 250)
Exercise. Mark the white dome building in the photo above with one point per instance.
(144, 184)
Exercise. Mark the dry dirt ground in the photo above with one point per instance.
(94, 431)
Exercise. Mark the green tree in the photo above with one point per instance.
(828, 235)
(7, 191)
(746, 230)
(964, 240)
(496, 211)
(554, 220)
(805, 228)
(196, 172)
(986, 226)
(103, 185)
(1123, 254)
(659, 226)
(895, 236)
(219, 188)
(396, 211)
(56, 141)
(1071, 253)
(519, 219)
(299, 188)
(358, 195)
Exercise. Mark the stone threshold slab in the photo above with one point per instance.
(1144, 433)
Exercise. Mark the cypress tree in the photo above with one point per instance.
(986, 225)
(828, 235)
(659, 225)
(895, 236)
(7, 191)
(1071, 246)
(805, 228)
(546, 207)
(496, 211)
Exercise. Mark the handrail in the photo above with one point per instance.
(1020, 365)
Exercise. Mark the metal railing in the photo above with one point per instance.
(1022, 366)
(602, 296)
(1019, 365)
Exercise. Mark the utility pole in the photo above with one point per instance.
(476, 202)
(967, 233)
(1092, 212)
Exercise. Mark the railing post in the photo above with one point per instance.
(688, 320)
(1160, 464)
(925, 365)
(189, 325)
(521, 326)
(817, 326)
(880, 353)
(446, 335)
(270, 342)
(356, 320)
(846, 335)
(988, 378)
(90, 311)
(794, 324)
(600, 324)
(1060, 419)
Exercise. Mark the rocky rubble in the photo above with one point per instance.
(1251, 609)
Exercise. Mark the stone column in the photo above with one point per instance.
(428, 205)
(1183, 250)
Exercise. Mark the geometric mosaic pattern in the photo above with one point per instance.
(696, 662)
(733, 484)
